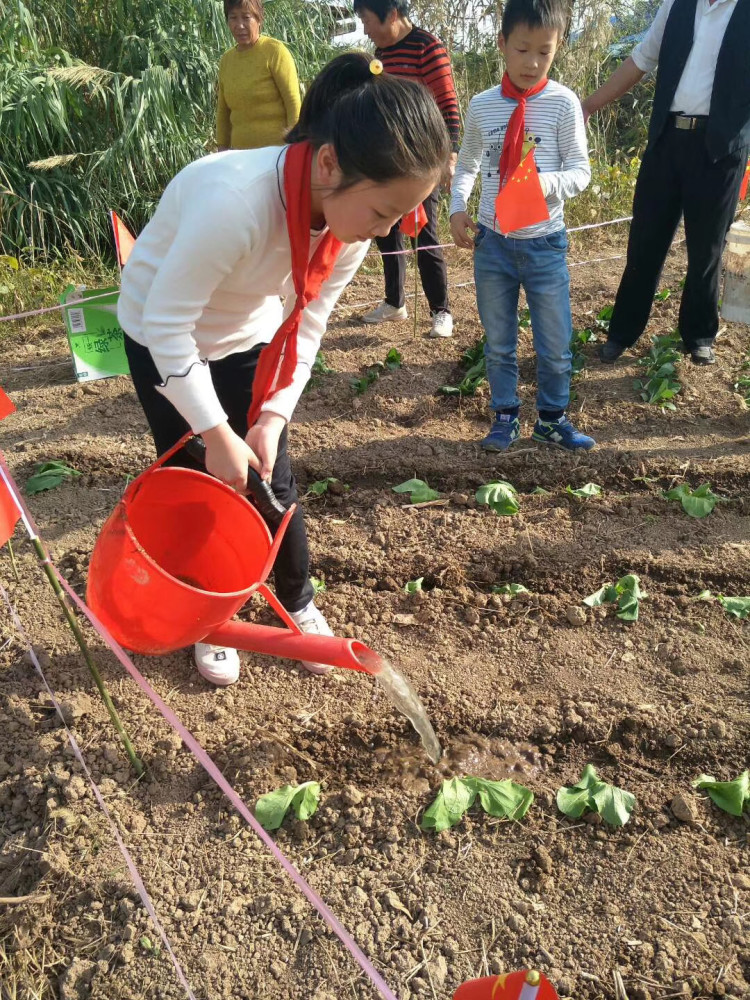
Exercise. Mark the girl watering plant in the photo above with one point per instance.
(233, 234)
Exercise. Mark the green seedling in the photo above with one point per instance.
(321, 486)
(318, 370)
(510, 589)
(591, 794)
(626, 594)
(414, 585)
(586, 491)
(663, 295)
(418, 489)
(660, 386)
(579, 340)
(742, 385)
(500, 497)
(503, 799)
(475, 376)
(271, 808)
(393, 359)
(731, 796)
(474, 353)
(604, 316)
(148, 946)
(524, 317)
(49, 475)
(736, 607)
(539, 491)
(318, 586)
(362, 384)
(696, 503)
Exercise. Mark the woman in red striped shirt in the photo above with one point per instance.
(408, 51)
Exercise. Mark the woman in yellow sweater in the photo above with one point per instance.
(259, 95)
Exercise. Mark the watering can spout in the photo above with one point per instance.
(292, 645)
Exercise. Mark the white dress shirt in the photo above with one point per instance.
(693, 94)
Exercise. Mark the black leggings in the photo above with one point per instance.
(233, 380)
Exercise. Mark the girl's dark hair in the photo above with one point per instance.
(382, 8)
(256, 8)
(381, 127)
(535, 14)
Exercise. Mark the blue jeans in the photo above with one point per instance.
(501, 266)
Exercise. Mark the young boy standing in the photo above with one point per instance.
(527, 111)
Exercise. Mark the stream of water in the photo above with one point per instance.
(403, 696)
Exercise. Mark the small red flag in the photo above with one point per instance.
(6, 405)
(511, 986)
(521, 202)
(745, 179)
(9, 513)
(414, 222)
(124, 239)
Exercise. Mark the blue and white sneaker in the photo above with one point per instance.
(561, 433)
(505, 430)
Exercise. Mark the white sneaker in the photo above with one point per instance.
(442, 325)
(386, 314)
(311, 621)
(219, 665)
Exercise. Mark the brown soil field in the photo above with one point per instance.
(533, 688)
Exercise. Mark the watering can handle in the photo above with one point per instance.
(265, 499)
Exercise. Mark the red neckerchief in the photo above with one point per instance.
(278, 360)
(514, 135)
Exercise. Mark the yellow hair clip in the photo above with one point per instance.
(376, 67)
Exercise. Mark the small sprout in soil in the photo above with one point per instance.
(318, 586)
(663, 295)
(539, 491)
(361, 385)
(48, 475)
(500, 497)
(418, 489)
(742, 385)
(510, 589)
(626, 594)
(660, 385)
(604, 316)
(524, 317)
(731, 796)
(475, 376)
(586, 491)
(271, 808)
(414, 585)
(321, 486)
(591, 794)
(736, 607)
(148, 946)
(579, 340)
(504, 799)
(696, 503)
(318, 369)
(393, 359)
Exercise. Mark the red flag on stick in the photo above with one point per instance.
(9, 513)
(745, 179)
(523, 985)
(6, 405)
(414, 222)
(521, 202)
(124, 239)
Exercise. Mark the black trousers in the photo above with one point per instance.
(233, 380)
(431, 263)
(677, 179)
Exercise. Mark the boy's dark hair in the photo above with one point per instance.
(381, 127)
(535, 14)
(382, 8)
(256, 8)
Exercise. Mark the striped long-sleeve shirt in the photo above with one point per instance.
(421, 56)
(554, 122)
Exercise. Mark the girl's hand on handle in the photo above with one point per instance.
(462, 226)
(263, 439)
(228, 457)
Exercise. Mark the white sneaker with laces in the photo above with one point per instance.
(311, 621)
(442, 324)
(385, 313)
(219, 665)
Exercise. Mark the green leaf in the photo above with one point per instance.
(505, 799)
(419, 490)
(306, 799)
(696, 503)
(731, 796)
(321, 486)
(663, 295)
(48, 475)
(589, 490)
(414, 585)
(613, 804)
(705, 595)
(500, 497)
(393, 359)
(737, 607)
(539, 491)
(605, 595)
(627, 606)
(271, 808)
(456, 795)
(512, 589)
(579, 798)
(318, 585)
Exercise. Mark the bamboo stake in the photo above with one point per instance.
(14, 567)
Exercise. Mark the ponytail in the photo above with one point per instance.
(381, 127)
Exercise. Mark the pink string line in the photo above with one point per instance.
(134, 873)
(62, 305)
(212, 770)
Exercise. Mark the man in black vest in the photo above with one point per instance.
(693, 166)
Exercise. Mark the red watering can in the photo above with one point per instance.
(524, 985)
(180, 555)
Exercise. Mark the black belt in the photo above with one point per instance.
(690, 123)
